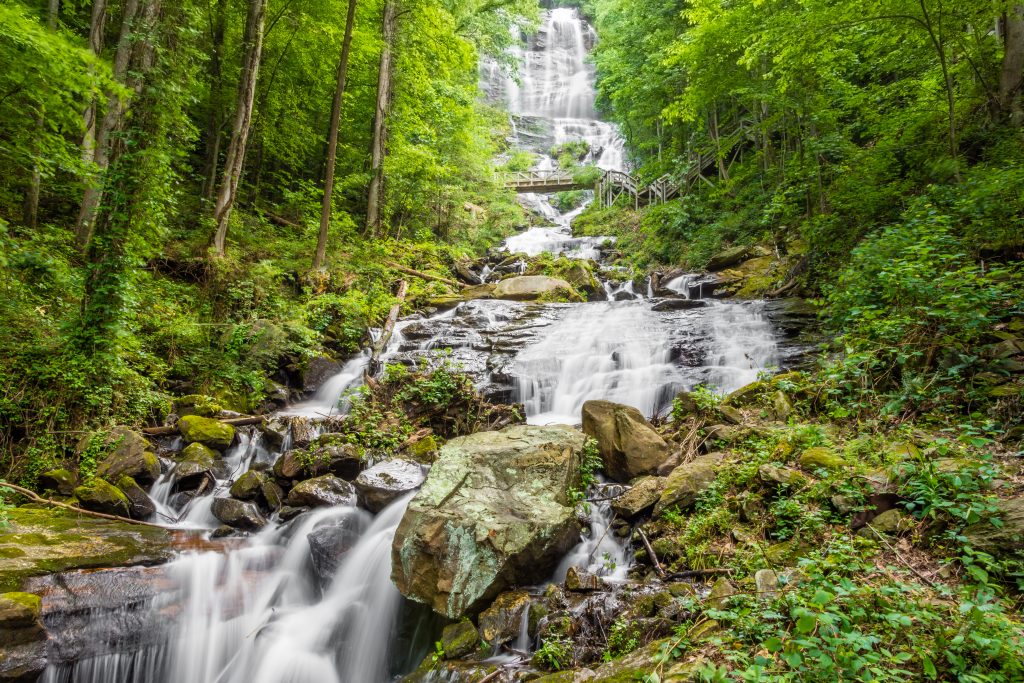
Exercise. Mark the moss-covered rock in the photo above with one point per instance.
(125, 452)
(198, 429)
(140, 505)
(423, 451)
(721, 591)
(533, 287)
(688, 481)
(500, 623)
(197, 404)
(22, 637)
(891, 522)
(1004, 539)
(102, 496)
(493, 512)
(640, 498)
(59, 481)
(326, 490)
(822, 458)
(40, 542)
(459, 640)
(238, 514)
(776, 475)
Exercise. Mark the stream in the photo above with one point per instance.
(253, 610)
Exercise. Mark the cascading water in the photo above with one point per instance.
(254, 612)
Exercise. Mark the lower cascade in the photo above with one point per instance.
(339, 595)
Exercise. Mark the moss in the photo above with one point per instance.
(820, 457)
(206, 431)
(41, 541)
(459, 640)
(29, 601)
(197, 404)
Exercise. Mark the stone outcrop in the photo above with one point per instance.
(494, 512)
(532, 287)
(22, 638)
(629, 445)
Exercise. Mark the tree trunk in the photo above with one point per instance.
(332, 139)
(30, 213)
(1011, 77)
(101, 154)
(99, 17)
(373, 201)
(215, 120)
(243, 118)
(130, 176)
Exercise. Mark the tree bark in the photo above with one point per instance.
(215, 120)
(99, 17)
(332, 139)
(1011, 77)
(235, 160)
(101, 154)
(373, 201)
(30, 213)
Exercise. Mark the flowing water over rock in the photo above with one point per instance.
(256, 611)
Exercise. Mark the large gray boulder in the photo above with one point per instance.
(629, 445)
(386, 481)
(493, 513)
(531, 287)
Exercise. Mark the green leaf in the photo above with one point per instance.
(773, 644)
(929, 668)
(806, 624)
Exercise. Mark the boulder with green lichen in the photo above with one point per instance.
(101, 496)
(211, 433)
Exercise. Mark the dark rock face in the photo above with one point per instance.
(22, 638)
(140, 505)
(678, 305)
(102, 496)
(238, 514)
(59, 481)
(130, 455)
(494, 512)
(328, 544)
(318, 371)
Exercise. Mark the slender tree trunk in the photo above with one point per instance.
(373, 201)
(332, 139)
(235, 159)
(101, 157)
(215, 120)
(99, 17)
(1011, 77)
(30, 212)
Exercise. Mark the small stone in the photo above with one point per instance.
(247, 486)
(731, 415)
(288, 513)
(891, 522)
(579, 581)
(822, 458)
(197, 429)
(745, 395)
(782, 407)
(721, 591)
(459, 640)
(770, 473)
(688, 481)
(385, 482)
(767, 581)
(728, 434)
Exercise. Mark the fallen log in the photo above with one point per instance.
(650, 553)
(36, 498)
(233, 421)
(424, 276)
(389, 328)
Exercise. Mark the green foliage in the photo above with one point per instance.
(590, 465)
(555, 653)
(623, 638)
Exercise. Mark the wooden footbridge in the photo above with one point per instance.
(611, 185)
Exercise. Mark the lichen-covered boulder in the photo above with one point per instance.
(629, 445)
(531, 287)
(59, 481)
(102, 496)
(386, 481)
(502, 621)
(127, 453)
(640, 498)
(494, 512)
(326, 490)
(22, 637)
(140, 505)
(196, 468)
(688, 481)
(778, 475)
(198, 429)
(238, 514)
